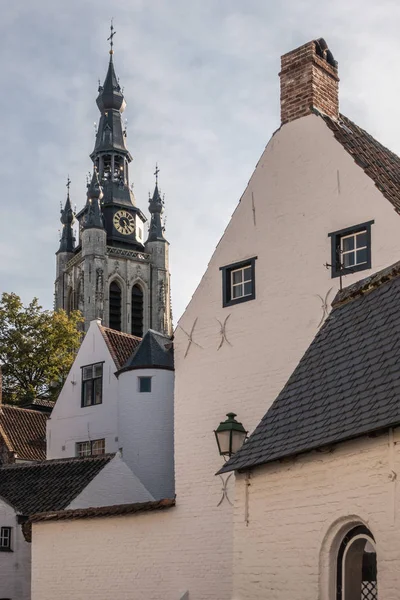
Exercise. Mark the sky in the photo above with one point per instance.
(201, 83)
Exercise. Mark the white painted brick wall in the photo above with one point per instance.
(295, 507)
(297, 203)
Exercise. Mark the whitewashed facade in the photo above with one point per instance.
(139, 424)
(236, 358)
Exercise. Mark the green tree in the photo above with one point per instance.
(37, 348)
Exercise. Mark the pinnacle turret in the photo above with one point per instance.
(67, 242)
(156, 206)
(94, 217)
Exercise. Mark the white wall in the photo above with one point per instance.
(299, 512)
(115, 484)
(146, 422)
(15, 566)
(70, 422)
(297, 201)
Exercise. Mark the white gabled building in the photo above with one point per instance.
(323, 192)
(119, 396)
(27, 489)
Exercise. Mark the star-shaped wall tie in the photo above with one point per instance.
(190, 337)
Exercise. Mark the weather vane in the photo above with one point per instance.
(110, 39)
(68, 183)
(156, 172)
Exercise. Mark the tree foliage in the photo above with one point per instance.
(37, 348)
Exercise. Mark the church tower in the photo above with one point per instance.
(114, 273)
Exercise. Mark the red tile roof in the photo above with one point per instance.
(121, 345)
(378, 162)
(24, 432)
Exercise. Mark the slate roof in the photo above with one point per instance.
(24, 431)
(49, 485)
(121, 345)
(346, 385)
(379, 163)
(155, 350)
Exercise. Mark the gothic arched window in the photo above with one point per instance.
(356, 566)
(137, 311)
(70, 301)
(115, 306)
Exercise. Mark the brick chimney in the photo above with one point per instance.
(309, 79)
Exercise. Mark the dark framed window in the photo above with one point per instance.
(137, 311)
(91, 448)
(356, 577)
(92, 384)
(238, 282)
(115, 306)
(5, 538)
(351, 249)
(144, 384)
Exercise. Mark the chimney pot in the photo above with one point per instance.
(309, 80)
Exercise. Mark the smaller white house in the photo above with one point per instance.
(69, 484)
(118, 396)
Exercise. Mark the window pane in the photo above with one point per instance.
(144, 384)
(87, 372)
(88, 393)
(237, 291)
(83, 449)
(98, 387)
(98, 447)
(348, 259)
(247, 288)
(247, 274)
(348, 243)
(361, 240)
(98, 370)
(361, 256)
(237, 276)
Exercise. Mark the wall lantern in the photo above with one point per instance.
(230, 436)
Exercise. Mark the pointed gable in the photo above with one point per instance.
(50, 484)
(121, 345)
(379, 163)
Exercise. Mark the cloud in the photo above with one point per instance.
(201, 84)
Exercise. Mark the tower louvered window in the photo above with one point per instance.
(115, 306)
(137, 311)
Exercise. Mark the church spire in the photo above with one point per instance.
(110, 94)
(67, 242)
(156, 205)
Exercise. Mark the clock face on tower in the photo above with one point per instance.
(124, 222)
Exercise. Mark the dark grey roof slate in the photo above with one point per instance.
(346, 385)
(48, 485)
(155, 350)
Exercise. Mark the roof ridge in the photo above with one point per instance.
(14, 407)
(69, 459)
(122, 333)
(366, 285)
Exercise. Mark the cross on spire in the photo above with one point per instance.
(68, 183)
(156, 172)
(110, 39)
